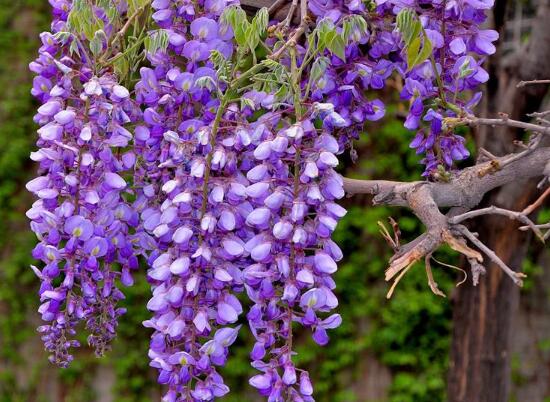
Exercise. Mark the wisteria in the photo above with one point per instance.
(453, 31)
(81, 218)
(293, 190)
(194, 204)
(218, 167)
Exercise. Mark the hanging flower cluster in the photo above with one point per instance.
(227, 183)
(293, 189)
(81, 218)
(448, 30)
(194, 203)
(348, 77)
(452, 32)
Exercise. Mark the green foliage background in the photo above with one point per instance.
(409, 334)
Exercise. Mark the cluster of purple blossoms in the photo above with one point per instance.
(204, 201)
(81, 219)
(225, 199)
(192, 202)
(293, 188)
(348, 84)
(453, 28)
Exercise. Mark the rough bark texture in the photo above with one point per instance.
(483, 315)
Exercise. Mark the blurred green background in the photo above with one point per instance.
(393, 350)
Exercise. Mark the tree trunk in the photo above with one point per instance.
(482, 316)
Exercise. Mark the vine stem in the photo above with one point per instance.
(212, 142)
(295, 83)
(204, 203)
(126, 26)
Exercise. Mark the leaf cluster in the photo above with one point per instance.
(417, 45)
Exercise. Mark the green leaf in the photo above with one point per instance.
(282, 93)
(261, 20)
(417, 44)
(133, 5)
(235, 17)
(412, 52)
(326, 31)
(252, 37)
(96, 44)
(222, 65)
(157, 40)
(318, 68)
(73, 48)
(206, 82)
(270, 64)
(247, 102)
(121, 67)
(338, 47)
(354, 25)
(424, 53)
(408, 25)
(465, 69)
(82, 20)
(62, 36)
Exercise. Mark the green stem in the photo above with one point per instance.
(246, 75)
(212, 142)
(127, 51)
(295, 82)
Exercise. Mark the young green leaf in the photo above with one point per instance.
(235, 17)
(337, 46)
(96, 44)
(423, 55)
(156, 41)
(326, 31)
(318, 68)
(417, 45)
(261, 20)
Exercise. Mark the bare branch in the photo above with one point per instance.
(461, 193)
(504, 122)
(531, 208)
(465, 189)
(477, 270)
(519, 216)
(516, 276)
(288, 20)
(275, 6)
(522, 84)
(539, 114)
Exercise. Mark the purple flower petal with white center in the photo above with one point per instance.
(65, 117)
(79, 227)
(204, 28)
(114, 181)
(261, 381)
(96, 246)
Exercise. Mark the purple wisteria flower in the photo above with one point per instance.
(192, 208)
(291, 192)
(454, 56)
(82, 239)
(220, 196)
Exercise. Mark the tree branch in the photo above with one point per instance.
(462, 193)
(516, 276)
(465, 189)
(505, 122)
